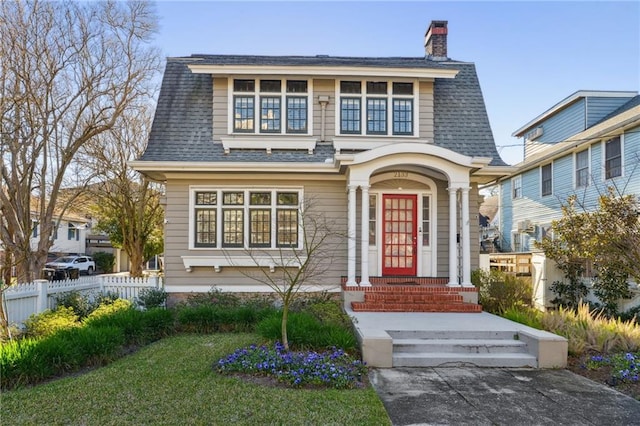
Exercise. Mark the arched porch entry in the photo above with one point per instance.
(399, 230)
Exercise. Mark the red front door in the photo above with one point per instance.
(399, 234)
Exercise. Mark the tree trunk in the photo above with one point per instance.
(285, 316)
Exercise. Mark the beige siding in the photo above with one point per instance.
(326, 196)
(324, 87)
(220, 106)
(425, 116)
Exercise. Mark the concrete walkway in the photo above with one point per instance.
(490, 396)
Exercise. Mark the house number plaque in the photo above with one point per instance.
(400, 174)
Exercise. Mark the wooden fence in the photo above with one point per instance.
(23, 300)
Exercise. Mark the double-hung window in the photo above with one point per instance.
(233, 218)
(516, 187)
(546, 175)
(282, 106)
(613, 158)
(582, 169)
(385, 107)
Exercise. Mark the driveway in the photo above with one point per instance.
(491, 396)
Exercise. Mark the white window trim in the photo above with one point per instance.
(218, 207)
(575, 168)
(513, 180)
(363, 107)
(283, 107)
(603, 145)
(541, 182)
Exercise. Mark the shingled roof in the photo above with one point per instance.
(183, 129)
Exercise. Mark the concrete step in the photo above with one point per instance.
(452, 334)
(453, 359)
(466, 346)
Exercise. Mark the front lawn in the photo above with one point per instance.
(173, 381)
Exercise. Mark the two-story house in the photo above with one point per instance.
(390, 149)
(585, 143)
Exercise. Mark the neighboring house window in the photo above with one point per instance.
(546, 173)
(259, 218)
(613, 158)
(372, 220)
(516, 185)
(582, 169)
(516, 239)
(377, 96)
(35, 229)
(73, 232)
(271, 99)
(425, 220)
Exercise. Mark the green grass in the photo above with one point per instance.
(172, 382)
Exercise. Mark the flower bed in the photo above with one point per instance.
(334, 368)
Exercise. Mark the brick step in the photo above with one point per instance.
(403, 289)
(412, 297)
(415, 307)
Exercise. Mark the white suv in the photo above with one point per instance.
(84, 264)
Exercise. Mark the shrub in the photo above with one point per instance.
(498, 291)
(524, 315)
(213, 297)
(158, 323)
(128, 320)
(306, 331)
(109, 307)
(611, 285)
(104, 261)
(105, 297)
(151, 298)
(81, 303)
(216, 318)
(50, 322)
(333, 368)
(94, 345)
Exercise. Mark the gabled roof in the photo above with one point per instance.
(633, 102)
(568, 101)
(318, 60)
(183, 128)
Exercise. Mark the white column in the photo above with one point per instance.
(364, 256)
(453, 238)
(466, 241)
(351, 235)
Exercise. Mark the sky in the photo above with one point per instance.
(528, 55)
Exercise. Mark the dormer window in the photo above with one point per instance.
(271, 99)
(387, 104)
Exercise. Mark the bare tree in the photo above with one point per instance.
(126, 203)
(68, 71)
(287, 270)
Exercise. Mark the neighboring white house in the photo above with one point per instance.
(69, 237)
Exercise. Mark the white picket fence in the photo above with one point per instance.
(23, 300)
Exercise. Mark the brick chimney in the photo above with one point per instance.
(435, 40)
